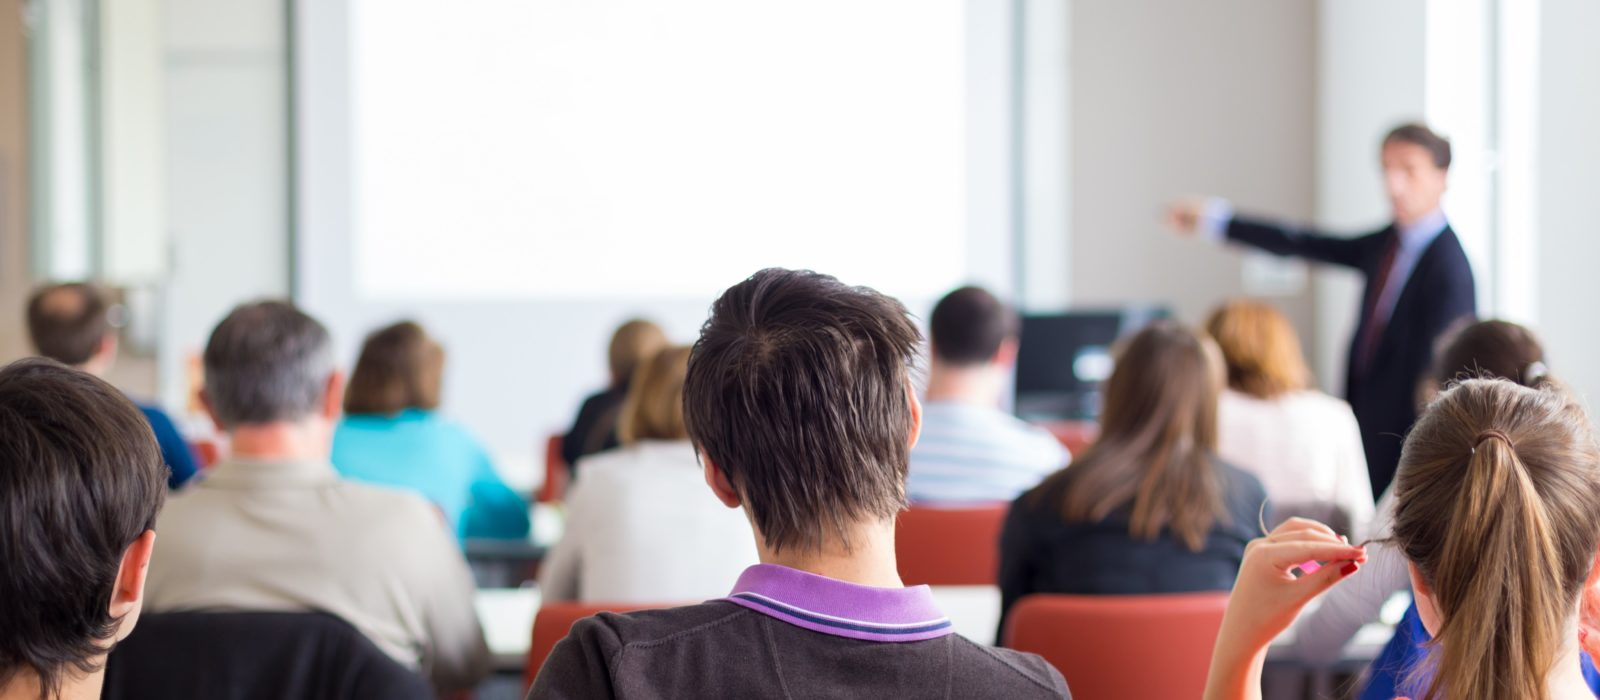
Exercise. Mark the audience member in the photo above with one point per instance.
(970, 450)
(799, 401)
(81, 481)
(71, 323)
(1303, 444)
(393, 435)
(641, 526)
(1485, 348)
(273, 527)
(595, 428)
(1497, 514)
(1149, 508)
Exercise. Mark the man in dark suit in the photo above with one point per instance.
(1418, 283)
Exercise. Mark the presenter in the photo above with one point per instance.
(1418, 282)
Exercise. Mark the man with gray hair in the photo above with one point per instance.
(273, 527)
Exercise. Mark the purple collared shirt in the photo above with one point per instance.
(830, 606)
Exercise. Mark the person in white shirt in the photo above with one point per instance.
(970, 451)
(641, 526)
(1304, 445)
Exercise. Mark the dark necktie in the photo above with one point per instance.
(1374, 327)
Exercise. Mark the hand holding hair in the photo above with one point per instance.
(1268, 595)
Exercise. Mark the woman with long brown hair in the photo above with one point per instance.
(1497, 512)
(1148, 508)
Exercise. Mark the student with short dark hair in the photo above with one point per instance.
(81, 481)
(71, 324)
(393, 434)
(799, 399)
(970, 450)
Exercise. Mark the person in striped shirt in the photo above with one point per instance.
(970, 450)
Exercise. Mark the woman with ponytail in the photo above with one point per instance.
(1497, 513)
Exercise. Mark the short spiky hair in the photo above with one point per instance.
(80, 479)
(797, 391)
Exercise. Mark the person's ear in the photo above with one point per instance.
(1424, 600)
(333, 397)
(211, 412)
(1006, 356)
(916, 414)
(719, 483)
(127, 593)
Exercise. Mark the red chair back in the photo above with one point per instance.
(1075, 435)
(1106, 646)
(553, 622)
(556, 475)
(949, 546)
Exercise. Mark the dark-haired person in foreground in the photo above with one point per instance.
(81, 481)
(800, 402)
(273, 527)
(970, 450)
(1419, 282)
(71, 324)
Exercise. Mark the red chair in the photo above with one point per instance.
(1107, 646)
(949, 546)
(556, 475)
(553, 622)
(1075, 435)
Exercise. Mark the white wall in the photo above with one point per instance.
(1569, 157)
(226, 160)
(1370, 76)
(1170, 99)
(517, 370)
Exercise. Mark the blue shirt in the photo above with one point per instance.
(976, 454)
(1389, 676)
(419, 451)
(175, 451)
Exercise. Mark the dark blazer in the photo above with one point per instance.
(595, 428)
(1042, 553)
(1439, 292)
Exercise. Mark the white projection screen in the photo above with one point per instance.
(574, 148)
(521, 175)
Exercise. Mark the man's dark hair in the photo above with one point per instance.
(968, 325)
(267, 362)
(81, 478)
(797, 391)
(1419, 135)
(68, 322)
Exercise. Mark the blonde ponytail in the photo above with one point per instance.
(1498, 506)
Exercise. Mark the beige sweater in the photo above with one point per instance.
(291, 535)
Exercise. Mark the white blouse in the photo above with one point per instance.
(1304, 446)
(643, 527)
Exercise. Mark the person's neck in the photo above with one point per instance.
(977, 385)
(25, 685)
(307, 439)
(1566, 680)
(1407, 222)
(869, 561)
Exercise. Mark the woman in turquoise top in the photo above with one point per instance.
(391, 435)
